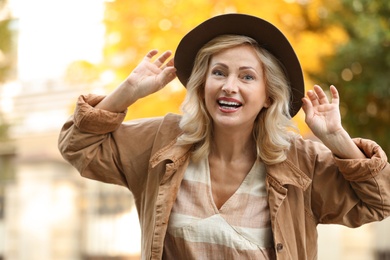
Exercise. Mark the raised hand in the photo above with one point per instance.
(324, 120)
(322, 115)
(149, 77)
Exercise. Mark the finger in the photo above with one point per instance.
(313, 98)
(322, 98)
(335, 95)
(151, 54)
(162, 59)
(307, 107)
(166, 76)
(170, 63)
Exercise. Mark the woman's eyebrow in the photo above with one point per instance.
(220, 64)
(247, 68)
(240, 68)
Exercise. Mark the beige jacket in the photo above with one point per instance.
(309, 188)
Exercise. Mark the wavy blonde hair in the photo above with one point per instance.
(272, 130)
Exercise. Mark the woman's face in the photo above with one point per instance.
(235, 90)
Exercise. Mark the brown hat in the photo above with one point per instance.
(267, 35)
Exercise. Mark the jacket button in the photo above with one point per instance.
(279, 247)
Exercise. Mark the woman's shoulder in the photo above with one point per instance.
(169, 120)
(149, 133)
(170, 125)
(309, 147)
(172, 118)
(161, 127)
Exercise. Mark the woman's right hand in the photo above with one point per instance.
(148, 77)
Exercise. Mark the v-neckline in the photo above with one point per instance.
(225, 205)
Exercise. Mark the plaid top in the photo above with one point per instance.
(240, 229)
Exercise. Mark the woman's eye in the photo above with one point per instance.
(217, 73)
(248, 77)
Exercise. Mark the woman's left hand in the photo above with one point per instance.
(322, 116)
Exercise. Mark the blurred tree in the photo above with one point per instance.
(360, 66)
(7, 148)
(5, 41)
(5, 57)
(135, 27)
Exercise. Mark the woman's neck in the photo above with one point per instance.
(232, 146)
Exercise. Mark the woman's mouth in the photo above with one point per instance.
(228, 105)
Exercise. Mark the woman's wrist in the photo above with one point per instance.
(342, 145)
(120, 99)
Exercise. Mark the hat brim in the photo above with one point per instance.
(267, 35)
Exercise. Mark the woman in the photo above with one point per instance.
(230, 179)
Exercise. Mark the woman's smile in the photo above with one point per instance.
(229, 105)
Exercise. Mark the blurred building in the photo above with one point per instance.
(47, 211)
(51, 212)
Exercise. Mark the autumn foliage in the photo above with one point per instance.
(135, 27)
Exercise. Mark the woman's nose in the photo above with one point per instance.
(230, 86)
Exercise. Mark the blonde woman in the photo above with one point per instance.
(230, 178)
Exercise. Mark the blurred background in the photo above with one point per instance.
(51, 51)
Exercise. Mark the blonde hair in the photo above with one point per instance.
(272, 127)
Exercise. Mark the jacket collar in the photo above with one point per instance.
(287, 173)
(172, 152)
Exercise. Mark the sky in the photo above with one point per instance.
(53, 33)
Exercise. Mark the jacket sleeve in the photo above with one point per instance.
(101, 147)
(351, 192)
